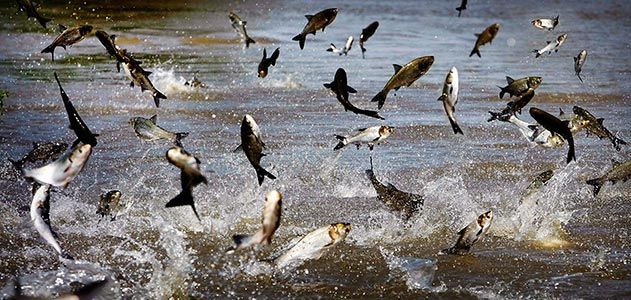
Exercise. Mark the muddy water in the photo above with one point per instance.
(558, 241)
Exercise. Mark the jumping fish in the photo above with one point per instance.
(469, 235)
(366, 34)
(341, 89)
(396, 200)
(147, 129)
(266, 62)
(271, 221)
(239, 26)
(463, 6)
(68, 36)
(340, 51)
(313, 245)
(113, 50)
(551, 46)
(619, 172)
(63, 170)
(77, 125)
(370, 136)
(513, 107)
(41, 152)
(546, 24)
(554, 125)
(450, 98)
(253, 145)
(31, 11)
(190, 177)
(485, 37)
(584, 119)
(40, 216)
(520, 86)
(535, 134)
(91, 290)
(579, 60)
(404, 76)
(140, 77)
(109, 204)
(539, 181)
(314, 23)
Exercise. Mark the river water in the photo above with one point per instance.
(559, 241)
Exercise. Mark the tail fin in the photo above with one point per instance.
(157, 96)
(363, 51)
(178, 138)
(475, 51)
(16, 164)
(579, 77)
(249, 41)
(65, 255)
(370, 113)
(455, 126)
(459, 9)
(570, 153)
(380, 98)
(498, 116)
(537, 54)
(331, 48)
(274, 56)
(502, 92)
(50, 49)
(242, 241)
(301, 40)
(597, 183)
(184, 198)
(262, 173)
(342, 142)
(43, 20)
(617, 142)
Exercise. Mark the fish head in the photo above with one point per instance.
(534, 82)
(562, 38)
(556, 140)
(133, 122)
(177, 156)
(85, 29)
(493, 29)
(114, 195)
(273, 198)
(262, 72)
(249, 125)
(484, 220)
(385, 131)
(424, 63)
(452, 75)
(81, 153)
(339, 231)
(537, 23)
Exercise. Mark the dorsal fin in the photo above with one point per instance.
(264, 53)
(62, 28)
(600, 120)
(477, 34)
(509, 79)
(154, 119)
(396, 68)
(575, 58)
(308, 17)
(361, 129)
(561, 112)
(548, 42)
(113, 37)
(147, 73)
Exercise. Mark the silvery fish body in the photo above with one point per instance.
(314, 244)
(239, 26)
(546, 24)
(147, 129)
(369, 136)
(469, 235)
(40, 216)
(63, 170)
(272, 210)
(551, 46)
(449, 98)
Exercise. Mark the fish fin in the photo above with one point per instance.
(308, 17)
(182, 199)
(65, 255)
(475, 51)
(477, 34)
(548, 42)
(537, 53)
(597, 183)
(571, 155)
(351, 89)
(361, 129)
(146, 73)
(533, 127)
(249, 41)
(262, 173)
(154, 119)
(579, 77)
(341, 143)
(397, 68)
(131, 84)
(239, 148)
(617, 142)
(561, 112)
(274, 56)
(301, 40)
(264, 53)
(331, 48)
(16, 164)
(455, 126)
(42, 20)
(442, 97)
(502, 92)
(61, 28)
(157, 96)
(509, 80)
(329, 85)
(118, 66)
(380, 98)
(242, 240)
(178, 138)
(600, 121)
(575, 59)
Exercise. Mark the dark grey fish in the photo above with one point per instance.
(404, 76)
(595, 126)
(540, 180)
(579, 60)
(239, 26)
(140, 77)
(485, 37)
(554, 125)
(68, 36)
(520, 86)
(41, 152)
(341, 89)
(77, 125)
(113, 50)
(619, 172)
(266, 62)
(513, 107)
(366, 34)
(314, 23)
(407, 204)
(252, 145)
(109, 204)
(31, 11)
(469, 235)
(147, 129)
(463, 6)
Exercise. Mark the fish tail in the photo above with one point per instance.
(372, 113)
(63, 254)
(570, 153)
(475, 51)
(301, 40)
(455, 126)
(380, 98)
(502, 92)
(182, 199)
(178, 138)
(249, 41)
(42, 20)
(50, 49)
(341, 143)
(459, 9)
(17, 164)
(274, 56)
(597, 183)
(537, 54)
(579, 77)
(262, 173)
(242, 240)
(617, 142)
(157, 96)
(363, 51)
